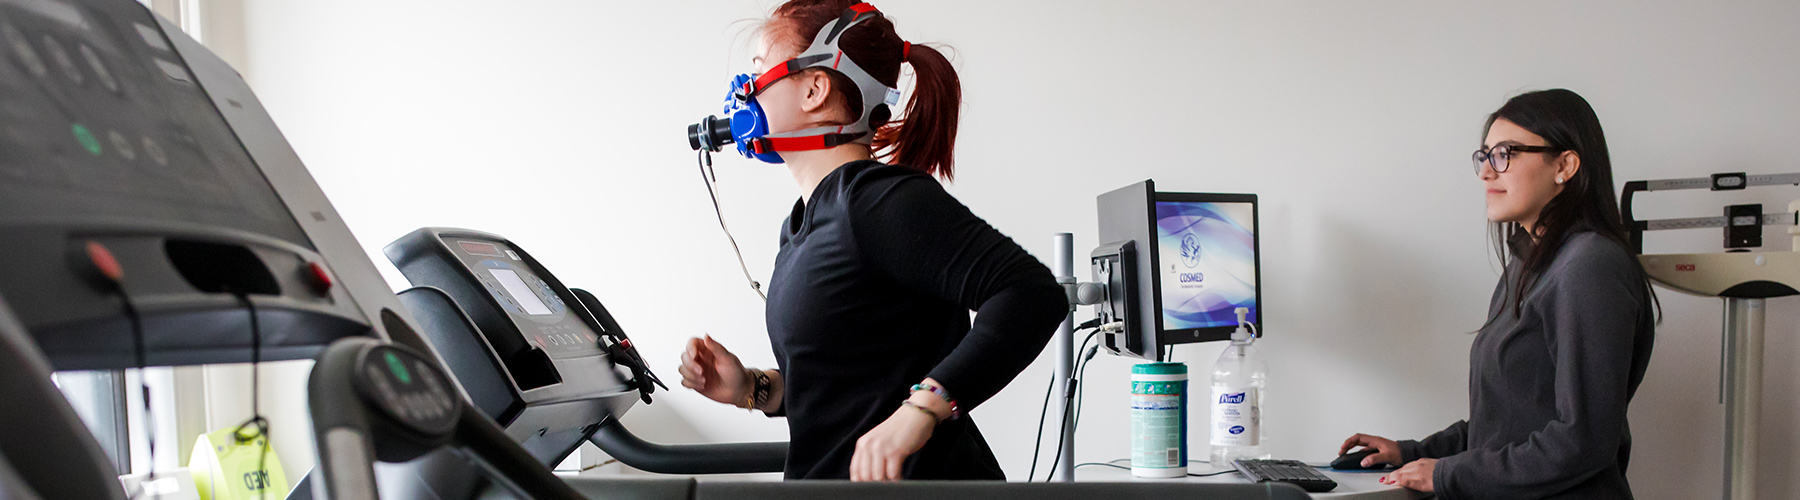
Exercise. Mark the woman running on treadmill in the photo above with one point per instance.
(868, 306)
(1569, 329)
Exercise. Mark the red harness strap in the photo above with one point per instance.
(765, 145)
(782, 71)
(792, 65)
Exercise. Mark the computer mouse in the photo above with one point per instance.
(1353, 461)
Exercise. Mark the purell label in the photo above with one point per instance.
(1236, 414)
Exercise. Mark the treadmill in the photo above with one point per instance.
(149, 204)
(544, 367)
(547, 362)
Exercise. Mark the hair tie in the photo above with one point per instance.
(905, 50)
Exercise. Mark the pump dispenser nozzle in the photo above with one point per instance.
(1243, 330)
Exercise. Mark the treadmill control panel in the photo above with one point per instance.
(542, 315)
(408, 389)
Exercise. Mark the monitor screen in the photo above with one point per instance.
(1206, 253)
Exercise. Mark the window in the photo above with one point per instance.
(111, 404)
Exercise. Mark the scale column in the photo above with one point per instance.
(1743, 393)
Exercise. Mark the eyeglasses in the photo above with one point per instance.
(1498, 156)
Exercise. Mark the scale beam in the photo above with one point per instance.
(1745, 280)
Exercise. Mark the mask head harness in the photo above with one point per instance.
(745, 124)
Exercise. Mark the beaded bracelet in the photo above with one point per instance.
(955, 411)
(933, 414)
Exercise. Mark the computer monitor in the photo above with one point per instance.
(1177, 266)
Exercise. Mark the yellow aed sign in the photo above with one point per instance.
(225, 467)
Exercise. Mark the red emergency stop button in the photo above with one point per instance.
(104, 262)
(321, 280)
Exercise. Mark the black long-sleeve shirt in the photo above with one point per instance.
(1548, 388)
(871, 293)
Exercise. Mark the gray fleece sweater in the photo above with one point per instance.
(1548, 387)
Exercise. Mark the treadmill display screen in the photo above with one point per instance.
(520, 292)
(101, 121)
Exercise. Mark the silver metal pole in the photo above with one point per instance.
(1063, 257)
(1743, 393)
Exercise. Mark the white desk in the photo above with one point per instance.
(1351, 485)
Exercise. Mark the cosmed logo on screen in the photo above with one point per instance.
(1190, 255)
(1190, 250)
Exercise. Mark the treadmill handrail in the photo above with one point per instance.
(724, 458)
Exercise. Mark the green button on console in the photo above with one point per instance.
(86, 138)
(399, 369)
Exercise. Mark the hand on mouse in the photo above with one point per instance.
(1386, 450)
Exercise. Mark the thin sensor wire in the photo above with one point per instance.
(711, 179)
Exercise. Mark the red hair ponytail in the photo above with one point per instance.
(923, 135)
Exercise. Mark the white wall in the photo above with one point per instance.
(558, 124)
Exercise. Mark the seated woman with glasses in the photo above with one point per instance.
(1569, 329)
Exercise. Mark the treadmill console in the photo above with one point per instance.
(124, 142)
(550, 345)
(540, 314)
(408, 389)
(547, 363)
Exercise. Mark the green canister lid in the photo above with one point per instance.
(1159, 369)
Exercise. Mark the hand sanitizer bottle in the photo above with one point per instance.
(1238, 383)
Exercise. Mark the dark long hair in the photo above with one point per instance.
(923, 135)
(1586, 202)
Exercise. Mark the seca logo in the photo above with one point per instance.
(1684, 267)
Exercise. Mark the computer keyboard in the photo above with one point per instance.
(1287, 471)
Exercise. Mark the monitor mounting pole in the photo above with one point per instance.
(1063, 257)
(1062, 468)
